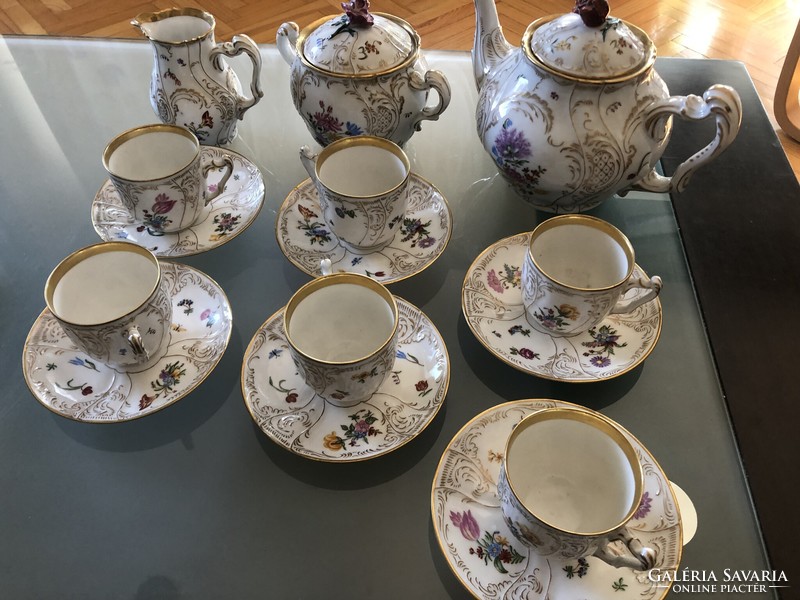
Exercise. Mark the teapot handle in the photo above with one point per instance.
(241, 44)
(720, 101)
(433, 80)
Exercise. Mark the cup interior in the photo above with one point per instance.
(362, 167)
(341, 318)
(102, 283)
(151, 152)
(574, 471)
(582, 252)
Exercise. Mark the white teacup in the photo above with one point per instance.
(361, 182)
(575, 270)
(160, 176)
(342, 334)
(569, 483)
(112, 302)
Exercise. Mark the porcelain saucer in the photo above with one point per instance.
(293, 416)
(491, 300)
(66, 381)
(226, 216)
(305, 238)
(493, 564)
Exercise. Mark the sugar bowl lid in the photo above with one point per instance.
(358, 43)
(589, 45)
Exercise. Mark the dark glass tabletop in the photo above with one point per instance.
(196, 502)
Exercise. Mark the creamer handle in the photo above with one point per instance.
(241, 44)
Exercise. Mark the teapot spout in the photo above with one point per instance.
(490, 47)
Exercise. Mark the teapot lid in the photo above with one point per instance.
(565, 45)
(353, 47)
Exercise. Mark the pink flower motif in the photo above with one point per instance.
(467, 524)
(494, 281)
(362, 427)
(212, 188)
(644, 506)
(205, 314)
(163, 204)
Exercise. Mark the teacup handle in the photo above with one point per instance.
(241, 44)
(218, 163)
(137, 345)
(433, 80)
(720, 101)
(652, 285)
(641, 558)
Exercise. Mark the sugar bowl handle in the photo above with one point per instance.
(241, 44)
(286, 38)
(721, 102)
(433, 80)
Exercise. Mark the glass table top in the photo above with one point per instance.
(195, 501)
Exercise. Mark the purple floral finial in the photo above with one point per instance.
(358, 13)
(592, 12)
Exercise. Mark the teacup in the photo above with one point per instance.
(576, 270)
(361, 182)
(569, 483)
(161, 177)
(112, 302)
(342, 334)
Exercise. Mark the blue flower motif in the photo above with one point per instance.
(401, 355)
(275, 353)
(493, 550)
(76, 361)
(356, 260)
(353, 129)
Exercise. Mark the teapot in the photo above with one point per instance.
(191, 84)
(578, 113)
(360, 73)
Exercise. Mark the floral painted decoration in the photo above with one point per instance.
(593, 13)
(361, 428)
(490, 547)
(357, 12)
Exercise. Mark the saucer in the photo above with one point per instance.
(305, 238)
(293, 416)
(66, 381)
(493, 564)
(226, 216)
(491, 299)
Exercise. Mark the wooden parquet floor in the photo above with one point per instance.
(757, 32)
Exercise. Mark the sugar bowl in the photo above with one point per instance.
(360, 73)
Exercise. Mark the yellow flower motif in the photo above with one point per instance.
(569, 312)
(495, 456)
(333, 441)
(503, 541)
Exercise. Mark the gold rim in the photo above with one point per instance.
(307, 182)
(180, 396)
(144, 130)
(335, 279)
(363, 140)
(79, 256)
(602, 424)
(593, 223)
(410, 59)
(523, 404)
(485, 344)
(445, 386)
(154, 17)
(644, 66)
(259, 204)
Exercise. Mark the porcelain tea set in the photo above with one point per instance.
(573, 116)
